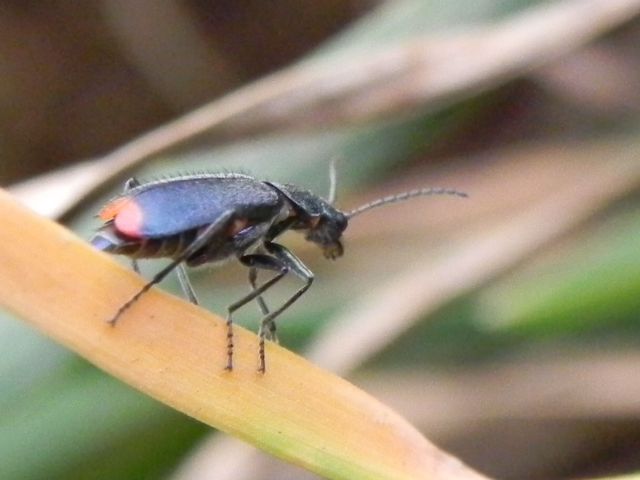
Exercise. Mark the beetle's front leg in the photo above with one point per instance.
(295, 265)
(201, 240)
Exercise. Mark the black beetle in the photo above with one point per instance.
(204, 218)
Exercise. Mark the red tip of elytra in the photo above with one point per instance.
(111, 209)
(126, 214)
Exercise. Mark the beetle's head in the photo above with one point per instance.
(322, 223)
(326, 229)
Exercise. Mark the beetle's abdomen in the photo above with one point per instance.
(109, 240)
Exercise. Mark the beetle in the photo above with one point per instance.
(214, 217)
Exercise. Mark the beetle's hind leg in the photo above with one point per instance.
(201, 240)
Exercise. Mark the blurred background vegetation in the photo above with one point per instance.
(504, 326)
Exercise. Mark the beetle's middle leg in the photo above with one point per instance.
(283, 262)
(253, 261)
(264, 309)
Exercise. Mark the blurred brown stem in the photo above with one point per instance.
(424, 72)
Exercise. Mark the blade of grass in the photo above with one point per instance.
(174, 352)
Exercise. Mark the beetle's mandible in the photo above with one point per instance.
(205, 218)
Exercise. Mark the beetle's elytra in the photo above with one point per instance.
(204, 218)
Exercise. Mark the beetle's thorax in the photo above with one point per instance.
(321, 222)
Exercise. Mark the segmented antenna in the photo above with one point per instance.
(400, 197)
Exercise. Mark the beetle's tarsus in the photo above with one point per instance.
(229, 366)
(262, 334)
(263, 365)
(113, 320)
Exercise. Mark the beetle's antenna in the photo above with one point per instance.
(333, 180)
(401, 197)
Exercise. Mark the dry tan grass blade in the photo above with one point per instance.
(174, 352)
